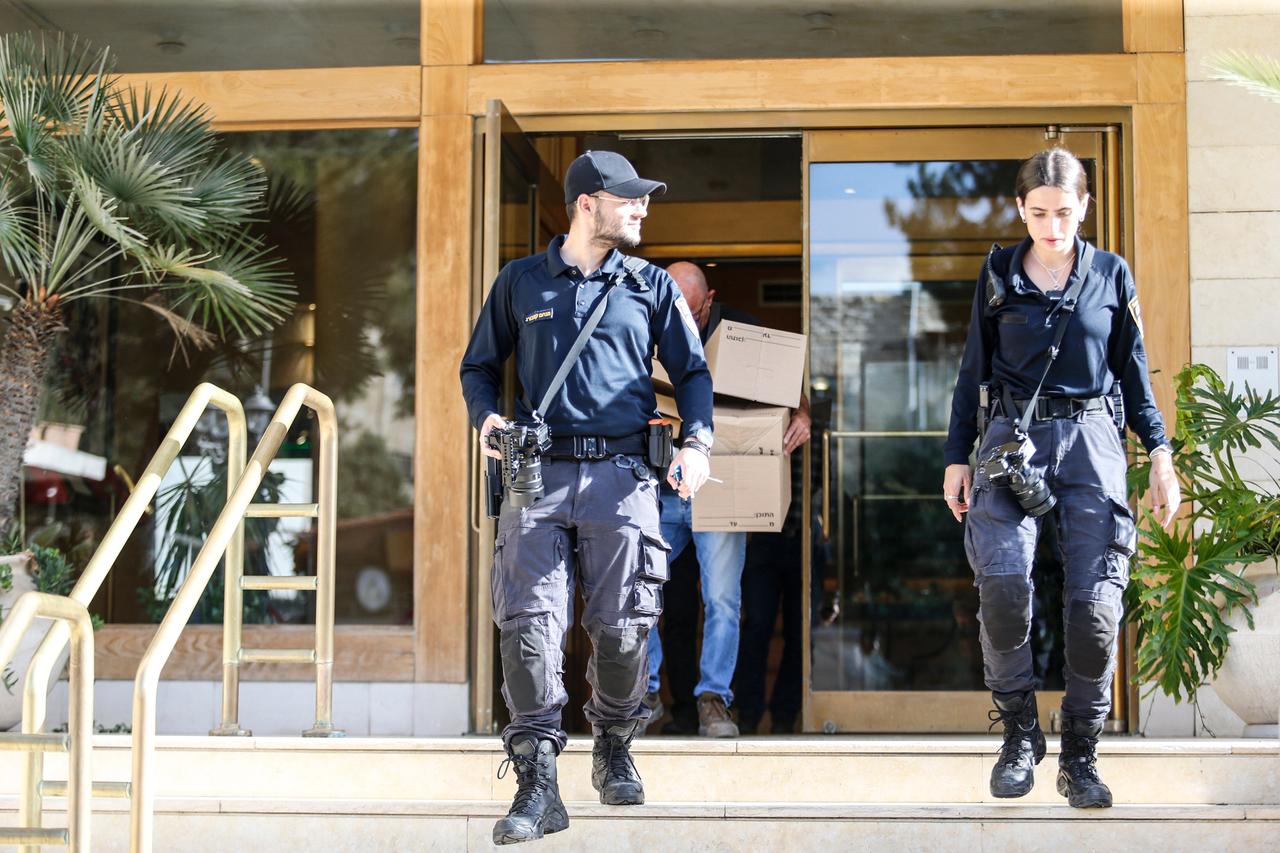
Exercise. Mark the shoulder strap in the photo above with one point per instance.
(1068, 308)
(995, 286)
(571, 357)
(633, 265)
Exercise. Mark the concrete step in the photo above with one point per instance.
(206, 825)
(769, 771)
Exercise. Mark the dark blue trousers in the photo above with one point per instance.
(596, 526)
(1083, 462)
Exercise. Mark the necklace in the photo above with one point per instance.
(1053, 273)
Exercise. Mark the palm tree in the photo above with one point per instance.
(107, 192)
(1258, 74)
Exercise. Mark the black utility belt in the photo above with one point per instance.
(1050, 408)
(597, 446)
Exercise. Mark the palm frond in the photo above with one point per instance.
(18, 244)
(102, 213)
(240, 289)
(1258, 74)
(147, 191)
(49, 86)
(184, 330)
(75, 232)
(229, 190)
(29, 134)
(168, 129)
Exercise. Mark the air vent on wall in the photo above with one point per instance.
(1254, 367)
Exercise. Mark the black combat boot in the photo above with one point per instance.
(537, 808)
(613, 773)
(1077, 766)
(1014, 773)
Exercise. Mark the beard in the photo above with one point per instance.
(611, 235)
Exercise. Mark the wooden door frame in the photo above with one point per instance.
(446, 92)
(935, 711)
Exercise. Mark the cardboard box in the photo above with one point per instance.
(755, 363)
(749, 430)
(740, 430)
(755, 495)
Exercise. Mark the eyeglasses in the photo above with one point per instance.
(641, 203)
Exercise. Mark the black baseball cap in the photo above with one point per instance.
(608, 171)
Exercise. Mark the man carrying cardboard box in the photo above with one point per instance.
(721, 555)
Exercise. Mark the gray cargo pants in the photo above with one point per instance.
(598, 526)
(1084, 465)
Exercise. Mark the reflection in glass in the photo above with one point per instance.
(342, 214)
(214, 35)
(548, 30)
(894, 253)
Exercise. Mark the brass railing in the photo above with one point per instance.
(40, 670)
(321, 583)
(73, 617)
(226, 531)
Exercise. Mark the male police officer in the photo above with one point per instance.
(599, 517)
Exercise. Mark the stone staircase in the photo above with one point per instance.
(826, 793)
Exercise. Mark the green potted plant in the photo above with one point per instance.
(107, 192)
(22, 569)
(1200, 609)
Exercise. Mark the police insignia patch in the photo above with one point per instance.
(1136, 313)
(540, 314)
(686, 314)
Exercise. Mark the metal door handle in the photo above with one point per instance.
(826, 484)
(477, 488)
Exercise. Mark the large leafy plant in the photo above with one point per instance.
(107, 192)
(1189, 578)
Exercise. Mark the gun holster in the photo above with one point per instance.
(984, 409)
(492, 487)
(660, 447)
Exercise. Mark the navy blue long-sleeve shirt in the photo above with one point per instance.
(1103, 343)
(538, 306)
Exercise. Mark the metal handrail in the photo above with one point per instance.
(221, 536)
(40, 670)
(73, 616)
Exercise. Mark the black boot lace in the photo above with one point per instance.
(618, 762)
(530, 784)
(1080, 757)
(1018, 728)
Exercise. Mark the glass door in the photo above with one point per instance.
(898, 223)
(521, 209)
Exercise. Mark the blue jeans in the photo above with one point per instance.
(720, 559)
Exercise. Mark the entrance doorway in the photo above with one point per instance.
(898, 224)
(868, 241)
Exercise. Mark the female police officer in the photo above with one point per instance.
(1057, 451)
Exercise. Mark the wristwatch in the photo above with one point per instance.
(701, 439)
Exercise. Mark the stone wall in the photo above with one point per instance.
(1234, 201)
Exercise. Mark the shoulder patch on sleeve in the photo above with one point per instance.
(1136, 313)
(686, 314)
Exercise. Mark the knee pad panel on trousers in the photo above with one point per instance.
(1091, 626)
(621, 657)
(530, 663)
(1005, 607)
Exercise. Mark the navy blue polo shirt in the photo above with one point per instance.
(537, 307)
(1102, 345)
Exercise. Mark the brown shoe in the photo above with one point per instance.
(713, 717)
(657, 711)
